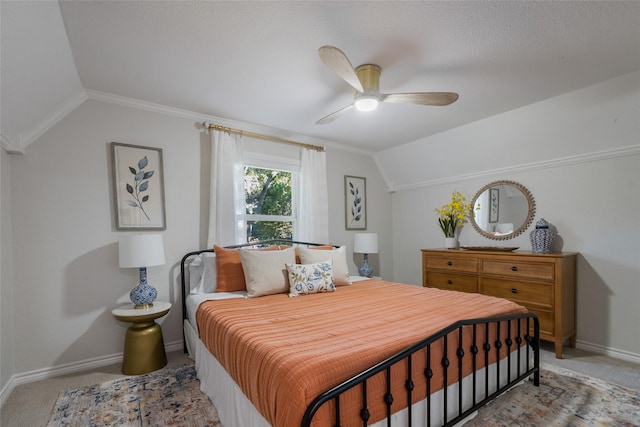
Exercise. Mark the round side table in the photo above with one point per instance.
(143, 344)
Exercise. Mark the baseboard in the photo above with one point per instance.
(608, 351)
(69, 368)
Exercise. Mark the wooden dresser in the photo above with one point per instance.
(544, 283)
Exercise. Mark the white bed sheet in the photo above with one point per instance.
(194, 301)
(236, 410)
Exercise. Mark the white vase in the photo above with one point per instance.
(451, 242)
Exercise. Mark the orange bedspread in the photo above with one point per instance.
(283, 351)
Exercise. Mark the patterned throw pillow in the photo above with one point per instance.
(307, 279)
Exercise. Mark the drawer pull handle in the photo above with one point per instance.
(514, 268)
(450, 282)
(514, 290)
(449, 263)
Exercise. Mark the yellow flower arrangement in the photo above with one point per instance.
(451, 215)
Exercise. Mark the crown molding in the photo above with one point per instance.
(553, 163)
(201, 118)
(45, 124)
(18, 147)
(9, 145)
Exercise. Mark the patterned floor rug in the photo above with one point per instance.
(563, 399)
(170, 397)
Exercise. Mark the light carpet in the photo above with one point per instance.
(563, 398)
(170, 397)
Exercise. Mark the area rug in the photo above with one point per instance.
(169, 397)
(563, 399)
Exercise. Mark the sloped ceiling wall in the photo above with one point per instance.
(39, 77)
(257, 62)
(560, 129)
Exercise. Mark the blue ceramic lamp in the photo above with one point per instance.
(141, 251)
(365, 243)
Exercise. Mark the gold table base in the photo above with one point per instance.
(143, 344)
(143, 349)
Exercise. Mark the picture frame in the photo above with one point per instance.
(138, 187)
(355, 202)
(494, 204)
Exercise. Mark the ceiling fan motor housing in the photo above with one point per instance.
(369, 76)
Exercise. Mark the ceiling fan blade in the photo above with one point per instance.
(422, 98)
(331, 117)
(339, 63)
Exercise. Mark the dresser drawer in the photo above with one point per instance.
(546, 321)
(525, 293)
(452, 282)
(523, 269)
(453, 263)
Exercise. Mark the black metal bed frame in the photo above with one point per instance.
(446, 363)
(480, 349)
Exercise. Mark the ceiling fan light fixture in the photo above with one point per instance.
(366, 103)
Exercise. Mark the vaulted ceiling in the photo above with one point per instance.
(257, 62)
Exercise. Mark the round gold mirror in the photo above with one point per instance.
(502, 210)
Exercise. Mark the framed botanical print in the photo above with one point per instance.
(355, 196)
(494, 204)
(138, 185)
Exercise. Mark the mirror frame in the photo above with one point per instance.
(517, 231)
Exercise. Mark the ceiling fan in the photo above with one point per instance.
(365, 79)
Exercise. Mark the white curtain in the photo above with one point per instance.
(481, 211)
(313, 209)
(226, 205)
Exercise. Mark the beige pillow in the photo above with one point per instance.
(339, 258)
(265, 272)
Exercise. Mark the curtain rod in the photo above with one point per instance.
(210, 126)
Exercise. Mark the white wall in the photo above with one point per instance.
(339, 164)
(579, 156)
(65, 257)
(66, 277)
(6, 291)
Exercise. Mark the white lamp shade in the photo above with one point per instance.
(365, 243)
(141, 250)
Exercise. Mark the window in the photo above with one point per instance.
(270, 196)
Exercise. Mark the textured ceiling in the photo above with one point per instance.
(257, 62)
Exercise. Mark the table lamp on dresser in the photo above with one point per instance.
(141, 251)
(365, 243)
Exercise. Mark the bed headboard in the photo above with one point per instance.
(186, 259)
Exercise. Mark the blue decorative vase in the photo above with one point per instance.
(542, 237)
(143, 294)
(365, 269)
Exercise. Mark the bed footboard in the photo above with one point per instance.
(480, 348)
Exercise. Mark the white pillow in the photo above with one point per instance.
(195, 274)
(265, 271)
(202, 273)
(307, 279)
(339, 258)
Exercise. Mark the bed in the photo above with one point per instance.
(368, 352)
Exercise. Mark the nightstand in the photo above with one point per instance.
(143, 344)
